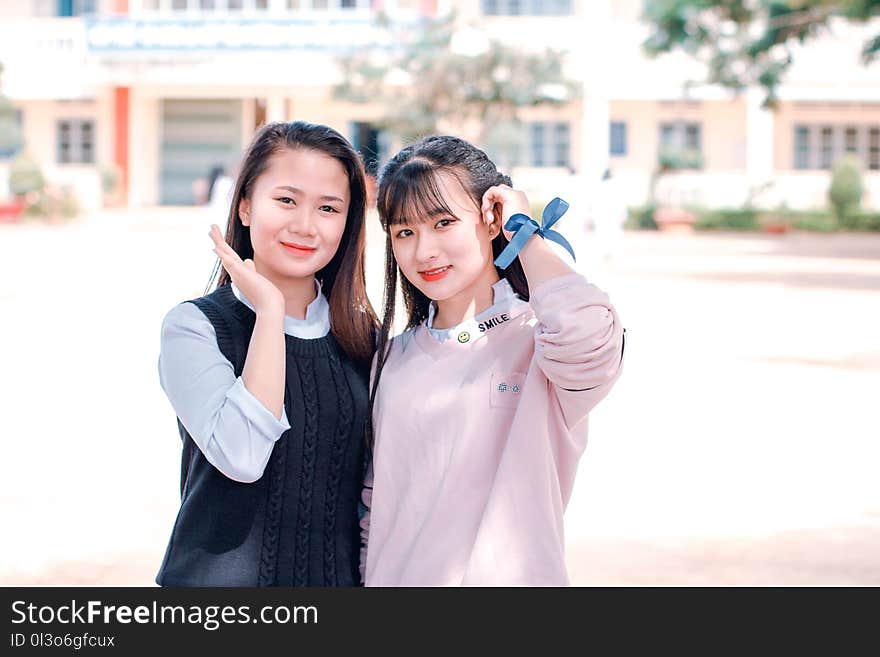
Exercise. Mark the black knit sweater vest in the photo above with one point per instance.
(298, 524)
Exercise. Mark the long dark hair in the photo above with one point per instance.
(353, 321)
(409, 193)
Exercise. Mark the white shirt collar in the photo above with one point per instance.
(317, 321)
(504, 299)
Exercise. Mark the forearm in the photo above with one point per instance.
(540, 263)
(232, 428)
(264, 367)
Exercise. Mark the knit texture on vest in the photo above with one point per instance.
(296, 525)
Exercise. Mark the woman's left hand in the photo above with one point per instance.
(512, 201)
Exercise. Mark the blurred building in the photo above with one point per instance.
(165, 89)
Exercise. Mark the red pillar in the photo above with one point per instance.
(120, 146)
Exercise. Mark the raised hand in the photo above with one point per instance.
(511, 201)
(258, 289)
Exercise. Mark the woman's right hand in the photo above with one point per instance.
(258, 289)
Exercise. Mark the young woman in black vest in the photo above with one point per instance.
(268, 375)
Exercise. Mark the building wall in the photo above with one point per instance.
(39, 125)
(48, 60)
(723, 131)
(836, 114)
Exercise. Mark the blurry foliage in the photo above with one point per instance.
(536, 207)
(817, 221)
(674, 159)
(111, 174)
(422, 80)
(727, 219)
(641, 218)
(42, 201)
(865, 221)
(752, 219)
(820, 221)
(25, 176)
(846, 189)
(748, 42)
(10, 130)
(52, 203)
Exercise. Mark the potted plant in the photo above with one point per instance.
(26, 183)
(775, 223)
(846, 190)
(10, 143)
(670, 213)
(111, 174)
(10, 210)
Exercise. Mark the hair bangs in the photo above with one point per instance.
(413, 196)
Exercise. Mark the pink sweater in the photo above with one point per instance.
(478, 441)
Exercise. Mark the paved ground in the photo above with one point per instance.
(741, 446)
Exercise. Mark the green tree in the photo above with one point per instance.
(424, 78)
(749, 42)
(10, 131)
(845, 191)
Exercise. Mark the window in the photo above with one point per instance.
(667, 135)
(537, 143)
(220, 6)
(874, 148)
(618, 138)
(851, 140)
(801, 147)
(76, 141)
(681, 144)
(692, 137)
(560, 144)
(821, 146)
(681, 135)
(11, 124)
(76, 7)
(526, 7)
(366, 140)
(826, 147)
(549, 144)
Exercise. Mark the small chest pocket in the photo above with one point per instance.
(506, 390)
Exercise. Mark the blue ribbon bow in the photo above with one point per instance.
(523, 227)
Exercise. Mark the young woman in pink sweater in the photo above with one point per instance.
(480, 406)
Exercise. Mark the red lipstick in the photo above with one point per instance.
(435, 274)
(299, 249)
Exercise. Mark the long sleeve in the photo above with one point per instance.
(234, 431)
(578, 342)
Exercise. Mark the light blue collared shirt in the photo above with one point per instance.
(235, 432)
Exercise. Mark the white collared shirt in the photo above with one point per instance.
(504, 299)
(231, 427)
(317, 321)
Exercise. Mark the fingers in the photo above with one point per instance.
(492, 196)
(495, 194)
(228, 257)
(215, 234)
